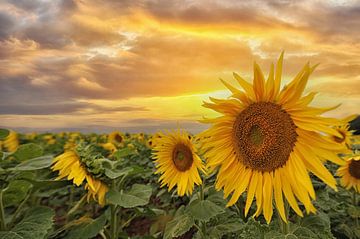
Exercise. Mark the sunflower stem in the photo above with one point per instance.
(2, 213)
(113, 222)
(71, 195)
(76, 206)
(113, 219)
(354, 201)
(19, 208)
(284, 227)
(202, 196)
(200, 230)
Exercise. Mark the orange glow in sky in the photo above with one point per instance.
(92, 65)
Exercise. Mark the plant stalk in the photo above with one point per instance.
(2, 213)
(354, 201)
(113, 219)
(202, 197)
(19, 208)
(113, 222)
(284, 227)
(77, 206)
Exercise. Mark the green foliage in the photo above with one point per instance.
(15, 192)
(35, 164)
(142, 209)
(178, 226)
(116, 173)
(122, 153)
(138, 195)
(4, 133)
(204, 210)
(87, 229)
(252, 230)
(35, 225)
(222, 229)
(28, 151)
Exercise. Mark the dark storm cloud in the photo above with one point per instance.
(22, 108)
(25, 4)
(7, 22)
(330, 21)
(211, 13)
(317, 17)
(40, 109)
(42, 22)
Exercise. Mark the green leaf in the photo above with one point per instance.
(220, 230)
(121, 153)
(115, 173)
(4, 133)
(304, 233)
(312, 226)
(34, 225)
(178, 226)
(252, 230)
(292, 236)
(15, 192)
(138, 195)
(354, 212)
(87, 230)
(204, 210)
(275, 235)
(28, 151)
(35, 164)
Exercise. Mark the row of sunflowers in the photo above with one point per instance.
(270, 151)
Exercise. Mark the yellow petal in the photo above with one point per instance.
(267, 196)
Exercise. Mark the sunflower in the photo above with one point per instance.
(70, 166)
(115, 137)
(30, 136)
(267, 140)
(109, 147)
(345, 132)
(153, 140)
(11, 142)
(177, 162)
(350, 173)
(69, 145)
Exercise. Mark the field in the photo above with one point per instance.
(34, 204)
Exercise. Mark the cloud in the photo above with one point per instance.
(344, 87)
(91, 85)
(7, 22)
(57, 56)
(62, 108)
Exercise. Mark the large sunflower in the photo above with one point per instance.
(267, 140)
(177, 162)
(70, 166)
(350, 173)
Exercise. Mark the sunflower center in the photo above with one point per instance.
(354, 168)
(182, 157)
(264, 136)
(118, 138)
(256, 136)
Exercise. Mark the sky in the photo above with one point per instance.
(147, 65)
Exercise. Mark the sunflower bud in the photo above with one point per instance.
(91, 159)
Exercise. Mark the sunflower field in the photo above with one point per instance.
(270, 166)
